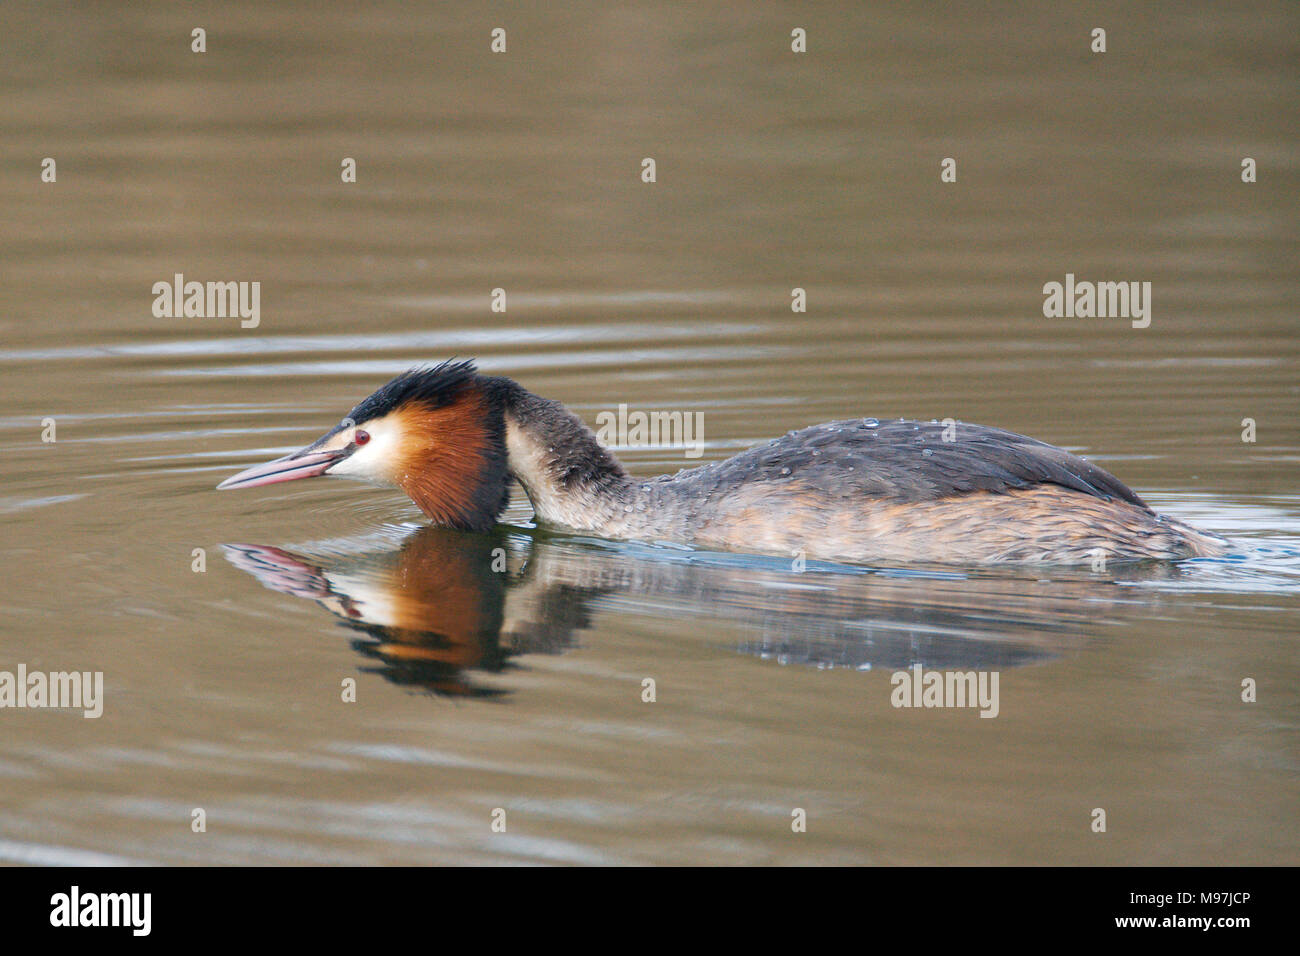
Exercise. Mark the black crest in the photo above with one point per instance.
(433, 386)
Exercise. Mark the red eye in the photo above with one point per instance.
(360, 438)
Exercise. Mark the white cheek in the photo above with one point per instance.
(375, 603)
(372, 461)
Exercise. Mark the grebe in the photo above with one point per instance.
(855, 491)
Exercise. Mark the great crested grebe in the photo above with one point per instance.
(857, 491)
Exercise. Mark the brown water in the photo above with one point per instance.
(521, 689)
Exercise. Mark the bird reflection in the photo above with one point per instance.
(429, 612)
(443, 606)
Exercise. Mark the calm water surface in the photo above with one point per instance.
(479, 688)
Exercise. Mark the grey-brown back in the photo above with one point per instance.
(905, 461)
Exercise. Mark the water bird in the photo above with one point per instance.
(860, 491)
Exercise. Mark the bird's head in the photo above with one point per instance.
(437, 433)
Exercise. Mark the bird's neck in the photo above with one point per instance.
(571, 479)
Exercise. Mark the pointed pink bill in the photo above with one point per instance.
(288, 468)
(279, 570)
